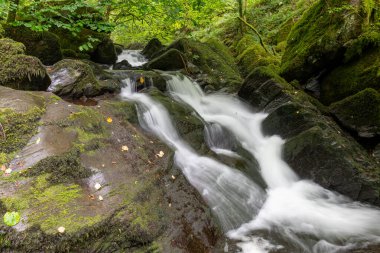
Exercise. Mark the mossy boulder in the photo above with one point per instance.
(43, 45)
(316, 147)
(74, 79)
(102, 51)
(119, 48)
(360, 113)
(105, 52)
(152, 49)
(123, 65)
(20, 71)
(210, 63)
(352, 77)
(320, 38)
(170, 60)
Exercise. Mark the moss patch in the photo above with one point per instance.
(18, 129)
(360, 112)
(64, 169)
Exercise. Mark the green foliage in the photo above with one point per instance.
(11, 218)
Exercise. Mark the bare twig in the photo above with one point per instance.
(258, 34)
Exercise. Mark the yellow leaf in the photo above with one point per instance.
(109, 120)
(141, 80)
(124, 148)
(61, 230)
(160, 154)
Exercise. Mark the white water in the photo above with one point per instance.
(134, 57)
(290, 213)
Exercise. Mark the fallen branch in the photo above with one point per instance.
(258, 34)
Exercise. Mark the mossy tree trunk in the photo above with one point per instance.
(242, 7)
(13, 6)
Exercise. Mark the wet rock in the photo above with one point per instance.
(21, 71)
(43, 45)
(322, 37)
(152, 49)
(104, 52)
(119, 48)
(123, 65)
(74, 79)
(360, 113)
(316, 148)
(170, 60)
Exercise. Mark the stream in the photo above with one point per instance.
(275, 211)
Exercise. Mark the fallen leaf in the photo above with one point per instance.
(92, 197)
(38, 140)
(173, 177)
(136, 182)
(98, 186)
(11, 218)
(8, 171)
(170, 204)
(124, 148)
(100, 198)
(103, 165)
(114, 162)
(109, 120)
(61, 230)
(160, 154)
(141, 80)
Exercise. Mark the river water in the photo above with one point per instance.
(273, 212)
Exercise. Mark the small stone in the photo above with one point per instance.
(8, 171)
(100, 198)
(98, 186)
(61, 230)
(124, 148)
(173, 177)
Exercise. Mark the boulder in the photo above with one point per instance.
(352, 77)
(123, 65)
(20, 71)
(74, 79)
(119, 48)
(360, 113)
(153, 47)
(209, 63)
(316, 148)
(43, 45)
(321, 37)
(104, 52)
(170, 60)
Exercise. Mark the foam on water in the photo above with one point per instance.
(299, 214)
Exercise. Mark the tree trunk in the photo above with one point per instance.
(13, 6)
(241, 15)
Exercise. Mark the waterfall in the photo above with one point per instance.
(291, 214)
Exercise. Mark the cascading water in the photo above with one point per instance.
(133, 57)
(290, 215)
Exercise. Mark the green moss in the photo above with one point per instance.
(361, 110)
(352, 77)
(43, 45)
(51, 206)
(9, 48)
(255, 56)
(18, 128)
(124, 110)
(64, 168)
(221, 70)
(317, 41)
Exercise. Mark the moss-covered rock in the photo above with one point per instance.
(105, 52)
(119, 49)
(102, 51)
(170, 60)
(21, 71)
(74, 79)
(316, 147)
(352, 77)
(318, 40)
(360, 113)
(209, 63)
(43, 45)
(152, 49)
